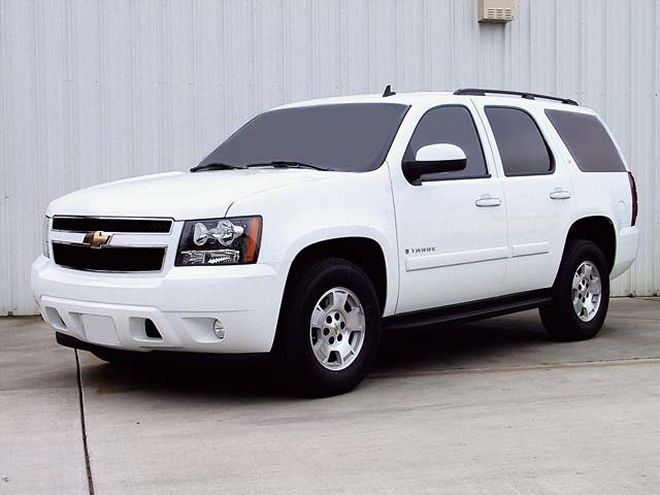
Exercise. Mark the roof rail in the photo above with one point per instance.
(527, 96)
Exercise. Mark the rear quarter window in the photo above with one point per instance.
(587, 140)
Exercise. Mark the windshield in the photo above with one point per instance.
(353, 137)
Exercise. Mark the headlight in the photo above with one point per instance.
(221, 241)
(45, 248)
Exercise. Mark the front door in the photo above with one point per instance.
(451, 229)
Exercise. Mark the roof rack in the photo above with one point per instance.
(527, 96)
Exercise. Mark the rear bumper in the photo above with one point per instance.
(110, 310)
(626, 250)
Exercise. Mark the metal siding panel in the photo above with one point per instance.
(25, 145)
(49, 23)
(544, 47)
(71, 130)
(437, 45)
(86, 74)
(240, 83)
(210, 76)
(354, 49)
(146, 86)
(269, 47)
(595, 56)
(491, 56)
(568, 56)
(654, 251)
(382, 56)
(410, 45)
(643, 134)
(519, 51)
(5, 167)
(465, 59)
(618, 75)
(93, 91)
(299, 71)
(182, 77)
(117, 91)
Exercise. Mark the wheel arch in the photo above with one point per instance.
(596, 228)
(365, 252)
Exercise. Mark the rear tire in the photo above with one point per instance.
(329, 328)
(580, 295)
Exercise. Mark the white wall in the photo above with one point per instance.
(92, 91)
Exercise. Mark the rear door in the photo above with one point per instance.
(538, 193)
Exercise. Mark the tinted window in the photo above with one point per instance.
(522, 148)
(350, 137)
(587, 140)
(453, 125)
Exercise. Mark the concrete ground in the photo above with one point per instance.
(490, 407)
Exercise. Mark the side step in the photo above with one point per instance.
(474, 310)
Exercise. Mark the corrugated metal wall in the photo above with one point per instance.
(92, 91)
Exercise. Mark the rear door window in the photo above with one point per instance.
(587, 140)
(521, 145)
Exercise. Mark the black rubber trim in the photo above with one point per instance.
(198, 357)
(474, 310)
(132, 225)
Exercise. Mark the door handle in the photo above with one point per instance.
(487, 201)
(560, 194)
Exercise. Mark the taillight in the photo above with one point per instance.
(633, 193)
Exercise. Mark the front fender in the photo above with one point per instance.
(344, 205)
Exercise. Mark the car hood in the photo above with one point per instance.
(179, 195)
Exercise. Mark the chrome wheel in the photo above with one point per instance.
(336, 329)
(586, 291)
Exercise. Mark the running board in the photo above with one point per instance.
(474, 310)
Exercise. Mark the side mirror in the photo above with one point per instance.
(433, 159)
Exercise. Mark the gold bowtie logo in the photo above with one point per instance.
(97, 239)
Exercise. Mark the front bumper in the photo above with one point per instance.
(110, 309)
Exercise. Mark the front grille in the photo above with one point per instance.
(112, 259)
(92, 224)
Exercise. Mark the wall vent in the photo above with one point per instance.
(496, 10)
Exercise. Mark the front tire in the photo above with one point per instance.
(580, 295)
(329, 328)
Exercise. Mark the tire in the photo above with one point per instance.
(312, 327)
(560, 317)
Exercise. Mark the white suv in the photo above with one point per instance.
(317, 224)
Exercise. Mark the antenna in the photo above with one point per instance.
(388, 91)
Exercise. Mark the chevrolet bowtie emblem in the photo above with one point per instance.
(97, 239)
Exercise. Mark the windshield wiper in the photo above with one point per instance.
(289, 164)
(273, 163)
(215, 166)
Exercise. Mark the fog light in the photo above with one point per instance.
(219, 329)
